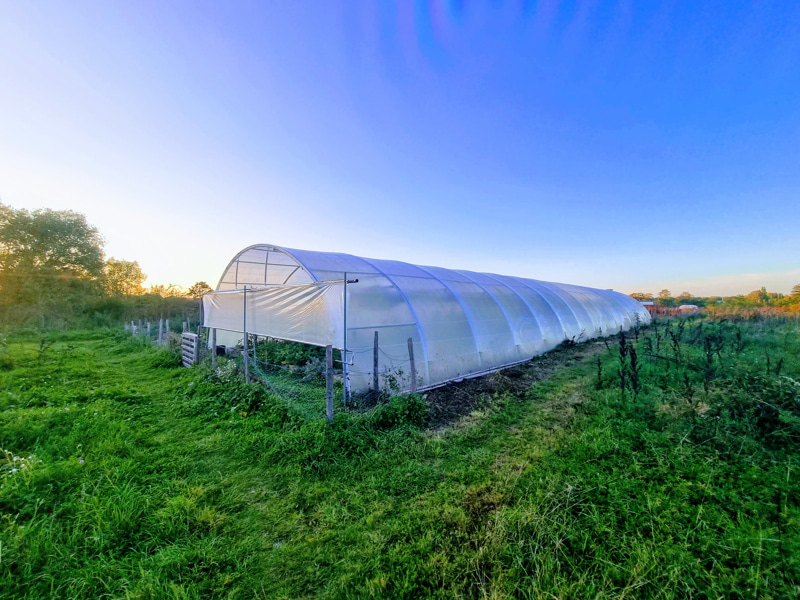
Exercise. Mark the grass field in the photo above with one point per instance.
(665, 466)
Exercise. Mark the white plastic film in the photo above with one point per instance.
(308, 313)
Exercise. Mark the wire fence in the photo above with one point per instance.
(301, 386)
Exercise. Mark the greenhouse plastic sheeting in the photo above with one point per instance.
(309, 313)
(461, 323)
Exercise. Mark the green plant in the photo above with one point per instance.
(400, 410)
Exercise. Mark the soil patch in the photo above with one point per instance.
(449, 403)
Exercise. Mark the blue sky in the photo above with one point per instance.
(626, 145)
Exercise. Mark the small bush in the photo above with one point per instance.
(400, 410)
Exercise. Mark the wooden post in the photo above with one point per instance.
(200, 324)
(160, 332)
(329, 382)
(375, 366)
(413, 366)
(184, 327)
(214, 347)
(148, 330)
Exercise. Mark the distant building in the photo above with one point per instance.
(650, 305)
(689, 308)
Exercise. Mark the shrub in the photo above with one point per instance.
(400, 410)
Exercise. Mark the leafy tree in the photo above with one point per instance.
(166, 291)
(198, 289)
(123, 277)
(640, 296)
(48, 256)
(758, 296)
(665, 298)
(796, 291)
(684, 298)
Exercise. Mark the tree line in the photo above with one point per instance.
(54, 273)
(760, 298)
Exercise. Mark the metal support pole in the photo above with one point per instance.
(244, 331)
(329, 382)
(214, 347)
(160, 332)
(375, 366)
(345, 374)
(413, 366)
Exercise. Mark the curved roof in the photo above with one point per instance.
(462, 323)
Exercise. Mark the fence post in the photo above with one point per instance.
(200, 324)
(413, 366)
(375, 366)
(160, 332)
(214, 347)
(329, 382)
(148, 330)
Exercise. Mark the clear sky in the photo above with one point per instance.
(616, 144)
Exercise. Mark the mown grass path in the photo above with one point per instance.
(161, 482)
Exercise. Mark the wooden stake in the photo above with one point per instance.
(375, 366)
(413, 366)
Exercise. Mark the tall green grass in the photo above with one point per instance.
(135, 478)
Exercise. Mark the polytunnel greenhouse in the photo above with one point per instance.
(459, 323)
